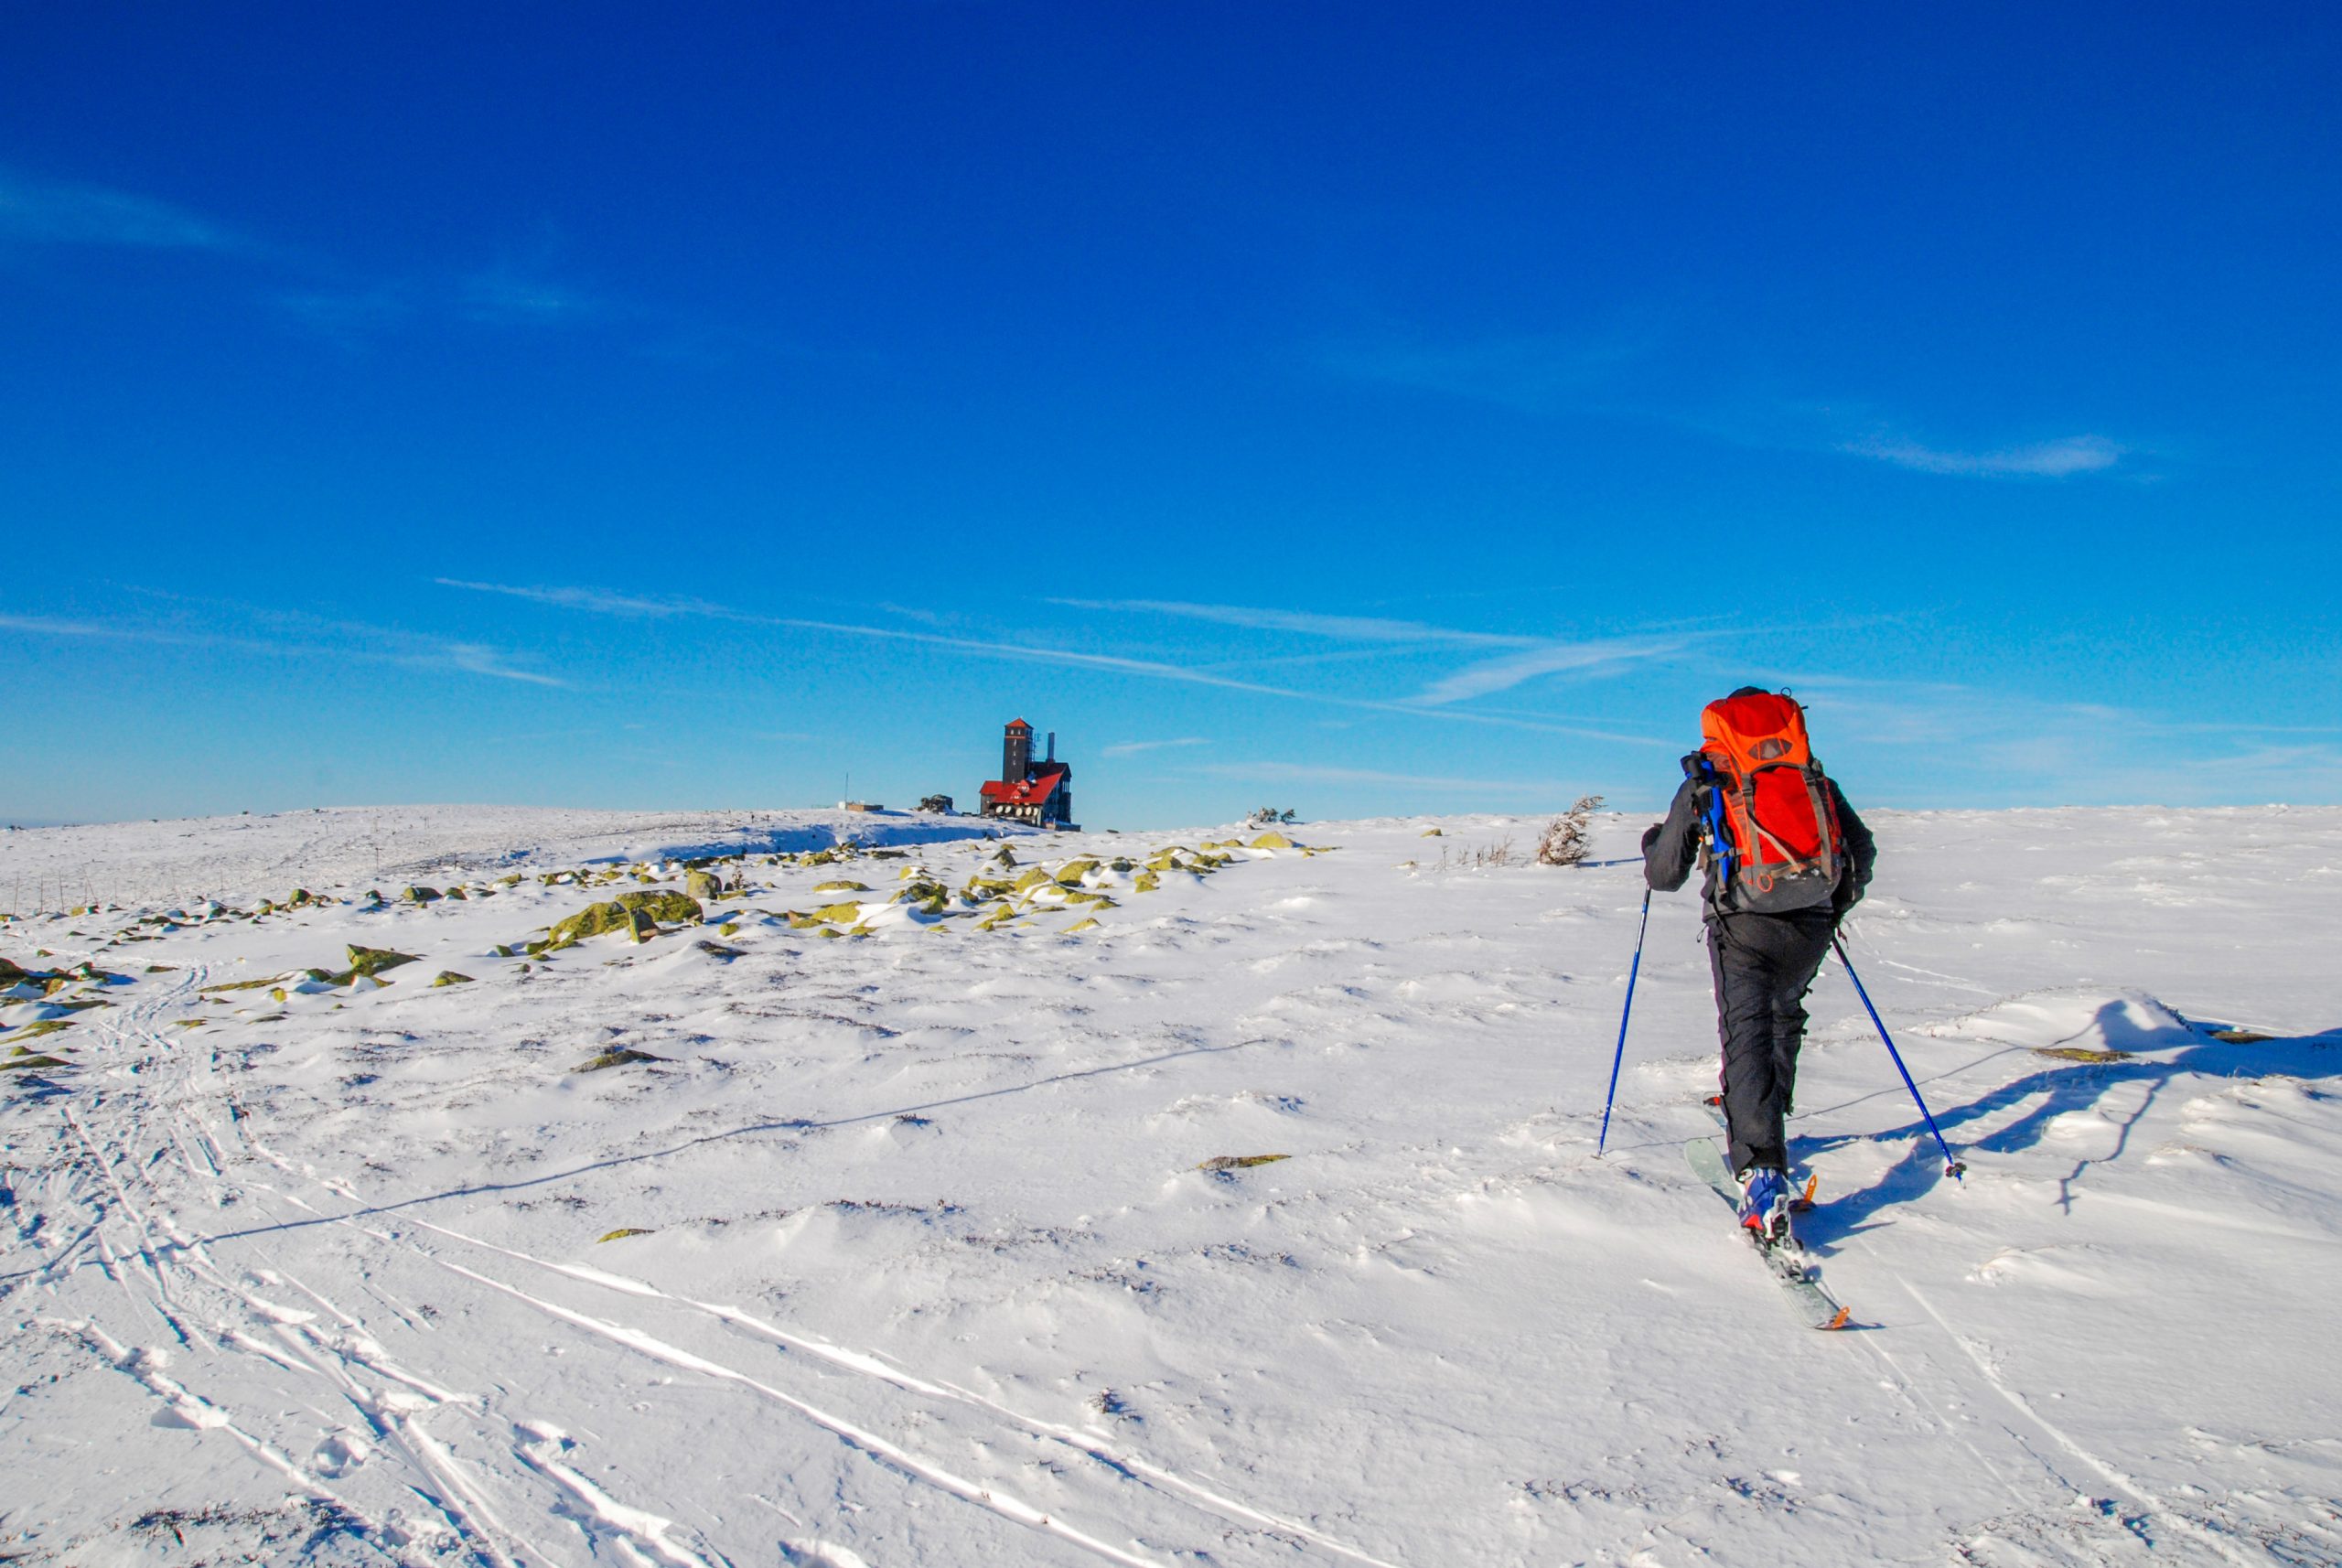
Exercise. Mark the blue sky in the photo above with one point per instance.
(1355, 407)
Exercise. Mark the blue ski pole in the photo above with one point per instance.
(1620, 1054)
(1952, 1167)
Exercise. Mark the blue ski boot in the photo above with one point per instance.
(1765, 1198)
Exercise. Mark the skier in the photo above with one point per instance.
(1786, 858)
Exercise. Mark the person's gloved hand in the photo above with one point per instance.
(1650, 835)
(1842, 902)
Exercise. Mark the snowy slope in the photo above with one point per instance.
(924, 1271)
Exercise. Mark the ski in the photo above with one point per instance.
(1785, 1264)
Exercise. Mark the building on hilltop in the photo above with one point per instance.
(1039, 793)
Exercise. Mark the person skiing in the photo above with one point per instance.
(1786, 858)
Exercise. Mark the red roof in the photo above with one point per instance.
(1030, 791)
(1018, 723)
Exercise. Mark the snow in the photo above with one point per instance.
(921, 1267)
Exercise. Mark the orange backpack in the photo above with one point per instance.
(1772, 825)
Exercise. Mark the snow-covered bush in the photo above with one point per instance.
(1568, 836)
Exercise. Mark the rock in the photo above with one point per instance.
(844, 914)
(16, 1062)
(449, 977)
(1147, 882)
(717, 950)
(1071, 872)
(1432, 833)
(1081, 924)
(1036, 877)
(370, 962)
(421, 895)
(703, 885)
(620, 1058)
(638, 914)
(1239, 1162)
(667, 909)
(622, 1232)
(839, 886)
(460, 892)
(1271, 841)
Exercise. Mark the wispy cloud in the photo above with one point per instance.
(507, 298)
(2044, 461)
(292, 634)
(59, 213)
(1306, 773)
(48, 626)
(599, 601)
(1132, 747)
(1601, 657)
(1555, 377)
(1347, 628)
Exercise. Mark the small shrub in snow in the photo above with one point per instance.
(1568, 836)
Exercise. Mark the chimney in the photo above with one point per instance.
(1053, 746)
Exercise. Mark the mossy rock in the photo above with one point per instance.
(421, 895)
(36, 1030)
(717, 950)
(1432, 833)
(621, 1057)
(844, 914)
(1071, 872)
(923, 891)
(638, 914)
(459, 893)
(12, 1063)
(1271, 841)
(829, 932)
(1239, 1162)
(2079, 1053)
(1095, 900)
(622, 1232)
(1147, 882)
(1120, 863)
(703, 885)
(840, 886)
(1036, 877)
(728, 928)
(449, 977)
(369, 962)
(1081, 924)
(667, 909)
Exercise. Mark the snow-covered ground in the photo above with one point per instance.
(896, 1250)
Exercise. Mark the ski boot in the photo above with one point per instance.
(1765, 1199)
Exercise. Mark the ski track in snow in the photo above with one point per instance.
(195, 1215)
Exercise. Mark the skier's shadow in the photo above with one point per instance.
(2152, 1058)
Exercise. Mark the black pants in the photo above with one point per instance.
(1763, 965)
